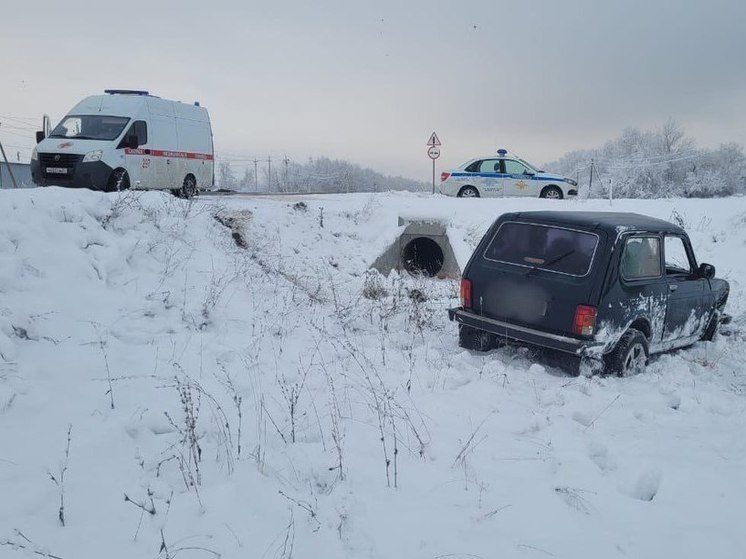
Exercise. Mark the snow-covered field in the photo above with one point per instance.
(165, 392)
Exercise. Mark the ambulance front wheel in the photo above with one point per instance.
(119, 180)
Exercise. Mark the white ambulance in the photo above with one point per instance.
(128, 139)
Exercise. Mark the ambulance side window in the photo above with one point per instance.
(140, 129)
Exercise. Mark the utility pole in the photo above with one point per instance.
(256, 175)
(10, 171)
(269, 173)
(590, 184)
(286, 161)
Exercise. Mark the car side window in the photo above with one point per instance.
(641, 258)
(514, 168)
(677, 258)
(490, 166)
(473, 167)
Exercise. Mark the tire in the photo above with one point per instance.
(468, 192)
(588, 367)
(189, 188)
(630, 356)
(477, 340)
(551, 192)
(118, 180)
(716, 319)
(712, 327)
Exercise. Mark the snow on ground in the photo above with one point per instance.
(165, 392)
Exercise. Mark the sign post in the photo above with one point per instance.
(433, 152)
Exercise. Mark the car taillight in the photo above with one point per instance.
(466, 293)
(444, 176)
(584, 323)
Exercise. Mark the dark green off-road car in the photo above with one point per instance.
(611, 288)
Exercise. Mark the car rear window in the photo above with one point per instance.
(544, 247)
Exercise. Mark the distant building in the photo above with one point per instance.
(21, 172)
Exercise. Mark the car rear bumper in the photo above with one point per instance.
(522, 334)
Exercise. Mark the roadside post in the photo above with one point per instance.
(13, 179)
(433, 152)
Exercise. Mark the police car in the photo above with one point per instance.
(504, 175)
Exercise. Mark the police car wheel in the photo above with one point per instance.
(552, 192)
(468, 192)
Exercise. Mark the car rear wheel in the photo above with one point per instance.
(630, 356)
(551, 192)
(189, 189)
(468, 192)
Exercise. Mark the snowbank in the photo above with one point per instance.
(166, 392)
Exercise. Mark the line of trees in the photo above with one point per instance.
(638, 164)
(317, 175)
(655, 164)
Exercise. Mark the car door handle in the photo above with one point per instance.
(673, 287)
(168, 162)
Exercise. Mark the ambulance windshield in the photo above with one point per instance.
(90, 127)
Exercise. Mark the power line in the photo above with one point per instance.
(20, 135)
(19, 147)
(664, 158)
(16, 127)
(651, 163)
(28, 121)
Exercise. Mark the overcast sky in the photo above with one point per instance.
(369, 81)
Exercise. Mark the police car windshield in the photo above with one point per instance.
(530, 167)
(90, 127)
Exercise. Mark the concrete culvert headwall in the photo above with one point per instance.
(423, 248)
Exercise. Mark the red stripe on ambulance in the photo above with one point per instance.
(170, 154)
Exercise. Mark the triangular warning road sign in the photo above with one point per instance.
(434, 140)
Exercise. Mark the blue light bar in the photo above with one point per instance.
(125, 92)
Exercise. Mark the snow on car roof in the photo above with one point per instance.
(603, 220)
